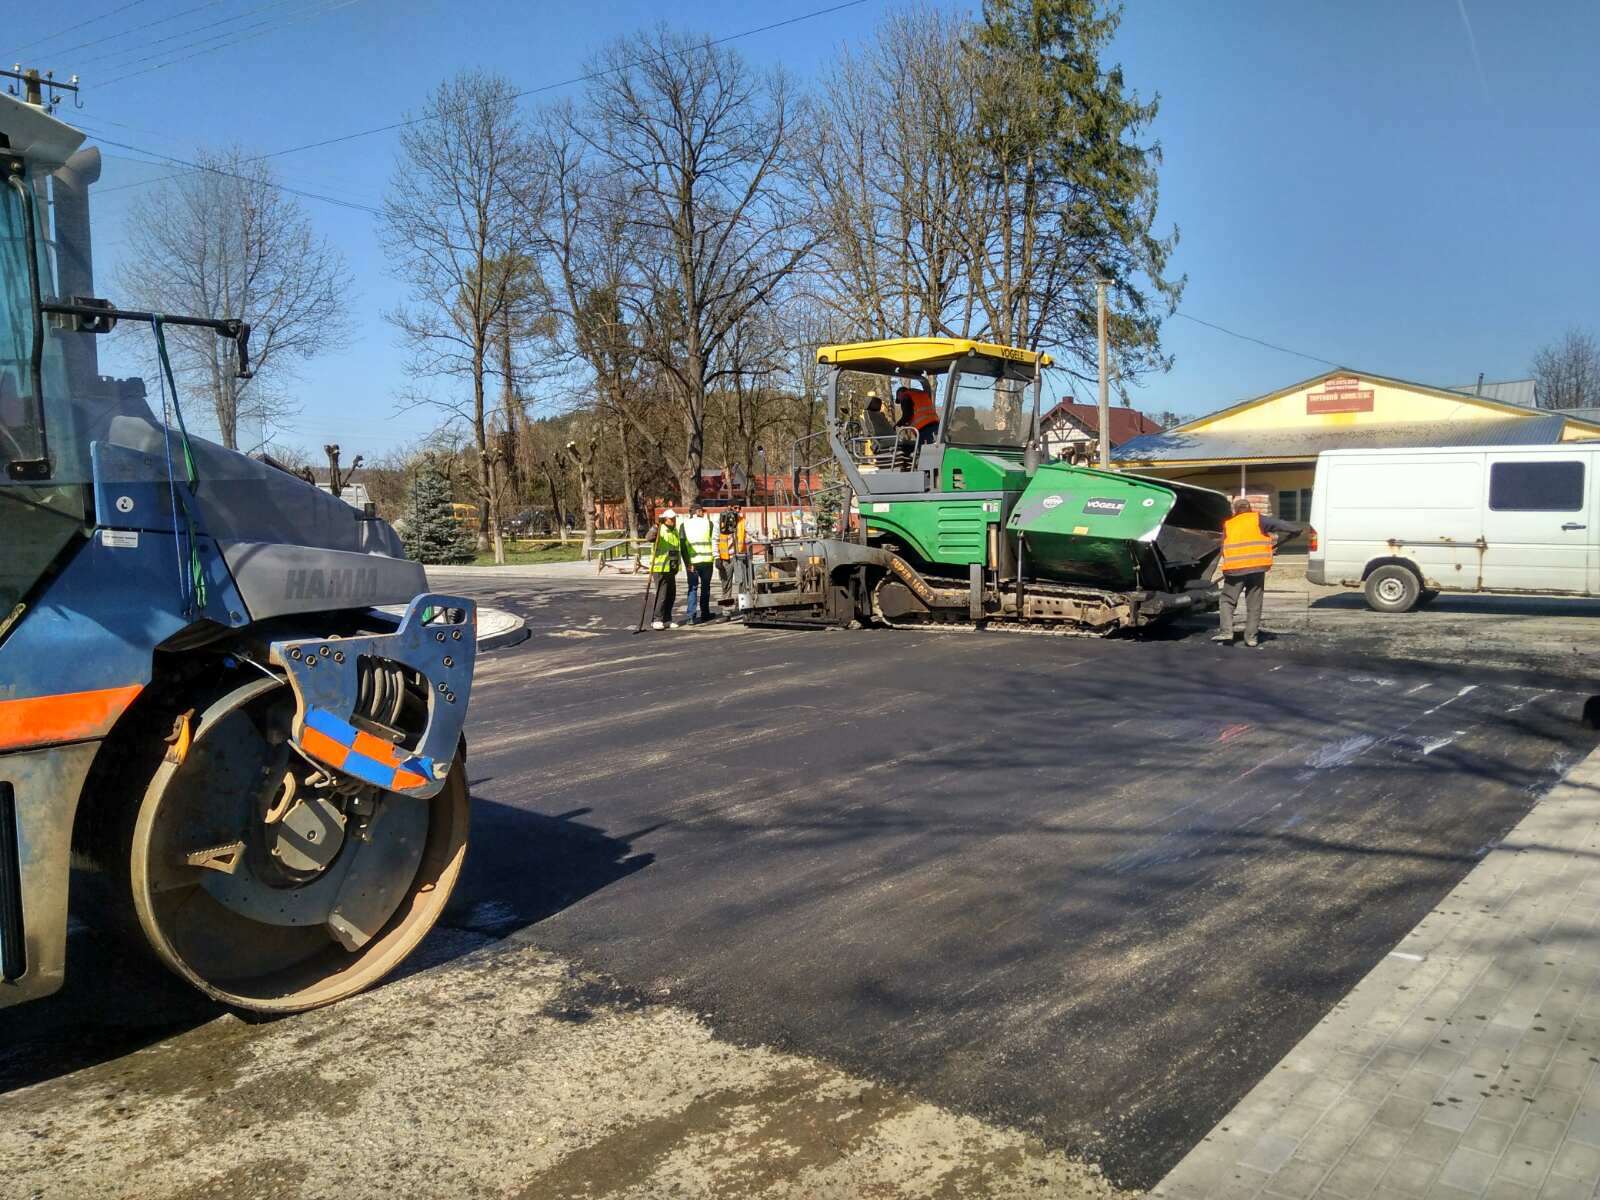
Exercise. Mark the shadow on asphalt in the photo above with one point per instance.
(521, 868)
(1467, 604)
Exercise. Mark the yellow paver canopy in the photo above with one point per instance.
(929, 353)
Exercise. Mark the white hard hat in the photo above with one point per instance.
(667, 512)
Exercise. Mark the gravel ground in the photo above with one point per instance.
(505, 1072)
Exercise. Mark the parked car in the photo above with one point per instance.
(1405, 525)
(529, 522)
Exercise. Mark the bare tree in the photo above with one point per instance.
(974, 178)
(895, 185)
(225, 241)
(698, 144)
(457, 224)
(1566, 372)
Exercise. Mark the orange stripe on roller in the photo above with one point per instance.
(406, 780)
(376, 748)
(67, 718)
(320, 745)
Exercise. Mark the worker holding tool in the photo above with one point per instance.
(732, 545)
(1247, 546)
(699, 533)
(667, 553)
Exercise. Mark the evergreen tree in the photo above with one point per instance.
(432, 533)
(1063, 140)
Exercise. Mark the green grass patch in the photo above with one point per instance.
(518, 553)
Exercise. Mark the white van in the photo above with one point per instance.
(1405, 525)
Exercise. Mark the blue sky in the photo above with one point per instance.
(1362, 182)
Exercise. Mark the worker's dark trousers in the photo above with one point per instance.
(699, 599)
(725, 577)
(666, 595)
(1253, 584)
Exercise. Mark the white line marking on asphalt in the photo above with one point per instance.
(1432, 744)
(1471, 687)
(1418, 688)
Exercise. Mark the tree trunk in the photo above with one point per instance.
(480, 432)
(632, 528)
(494, 495)
(586, 498)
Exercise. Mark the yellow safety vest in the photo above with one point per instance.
(700, 535)
(668, 551)
(1246, 546)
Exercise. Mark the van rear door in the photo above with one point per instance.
(1536, 522)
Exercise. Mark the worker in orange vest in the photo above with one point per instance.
(733, 558)
(1247, 546)
(918, 411)
(917, 424)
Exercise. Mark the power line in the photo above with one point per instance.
(138, 28)
(335, 188)
(548, 87)
(122, 51)
(1245, 337)
(586, 78)
(262, 28)
(158, 160)
(73, 28)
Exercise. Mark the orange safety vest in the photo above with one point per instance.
(923, 410)
(1245, 545)
(729, 544)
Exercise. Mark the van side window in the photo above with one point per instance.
(1536, 486)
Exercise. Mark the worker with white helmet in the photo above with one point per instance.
(670, 549)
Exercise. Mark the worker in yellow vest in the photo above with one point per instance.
(700, 533)
(1247, 546)
(732, 563)
(665, 555)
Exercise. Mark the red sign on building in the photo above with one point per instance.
(1341, 394)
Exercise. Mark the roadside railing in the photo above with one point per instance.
(619, 554)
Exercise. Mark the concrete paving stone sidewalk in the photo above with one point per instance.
(1464, 1065)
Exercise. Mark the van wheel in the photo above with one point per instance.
(1393, 589)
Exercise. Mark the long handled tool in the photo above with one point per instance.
(649, 586)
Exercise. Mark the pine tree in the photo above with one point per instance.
(432, 533)
(1065, 142)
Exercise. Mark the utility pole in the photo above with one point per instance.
(1105, 393)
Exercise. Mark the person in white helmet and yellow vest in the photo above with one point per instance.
(700, 533)
(1247, 547)
(666, 553)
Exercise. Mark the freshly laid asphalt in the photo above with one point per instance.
(1092, 888)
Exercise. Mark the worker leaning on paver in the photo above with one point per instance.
(1247, 546)
(700, 532)
(732, 561)
(668, 551)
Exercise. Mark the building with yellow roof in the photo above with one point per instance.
(1267, 447)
